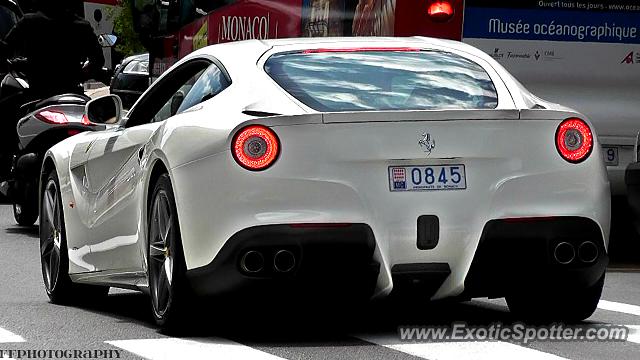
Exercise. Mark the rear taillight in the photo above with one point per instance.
(574, 140)
(440, 11)
(52, 117)
(255, 147)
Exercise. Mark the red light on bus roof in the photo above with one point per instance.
(440, 11)
(360, 49)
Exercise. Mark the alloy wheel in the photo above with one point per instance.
(51, 238)
(160, 255)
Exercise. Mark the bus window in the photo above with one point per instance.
(156, 17)
(206, 6)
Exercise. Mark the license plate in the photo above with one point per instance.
(610, 154)
(424, 178)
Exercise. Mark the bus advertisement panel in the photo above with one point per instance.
(233, 20)
(584, 54)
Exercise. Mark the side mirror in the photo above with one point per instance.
(106, 110)
(107, 40)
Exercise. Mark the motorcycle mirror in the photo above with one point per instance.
(106, 110)
(107, 40)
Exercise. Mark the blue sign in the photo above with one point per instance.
(535, 24)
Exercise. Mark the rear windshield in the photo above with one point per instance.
(383, 80)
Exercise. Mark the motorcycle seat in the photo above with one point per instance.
(72, 99)
(63, 99)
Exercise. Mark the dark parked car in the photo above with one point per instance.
(131, 79)
(632, 179)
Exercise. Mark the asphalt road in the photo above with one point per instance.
(122, 323)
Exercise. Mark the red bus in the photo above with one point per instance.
(179, 27)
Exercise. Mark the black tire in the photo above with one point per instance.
(571, 306)
(25, 215)
(168, 287)
(53, 251)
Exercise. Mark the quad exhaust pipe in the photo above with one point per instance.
(588, 252)
(564, 253)
(284, 261)
(252, 262)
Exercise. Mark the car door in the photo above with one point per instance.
(115, 169)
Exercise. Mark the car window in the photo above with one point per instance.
(171, 107)
(210, 84)
(383, 80)
(166, 95)
(7, 20)
(137, 67)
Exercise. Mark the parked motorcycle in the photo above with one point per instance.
(42, 123)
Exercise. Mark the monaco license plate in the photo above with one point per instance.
(429, 177)
(610, 154)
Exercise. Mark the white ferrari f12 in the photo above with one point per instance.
(358, 167)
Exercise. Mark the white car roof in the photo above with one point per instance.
(240, 58)
(246, 47)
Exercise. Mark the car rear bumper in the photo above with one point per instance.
(517, 255)
(332, 260)
(338, 262)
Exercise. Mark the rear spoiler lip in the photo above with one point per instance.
(544, 114)
(423, 115)
(408, 116)
(449, 115)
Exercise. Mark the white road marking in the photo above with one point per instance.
(192, 349)
(195, 349)
(457, 350)
(619, 307)
(634, 333)
(7, 336)
(603, 304)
